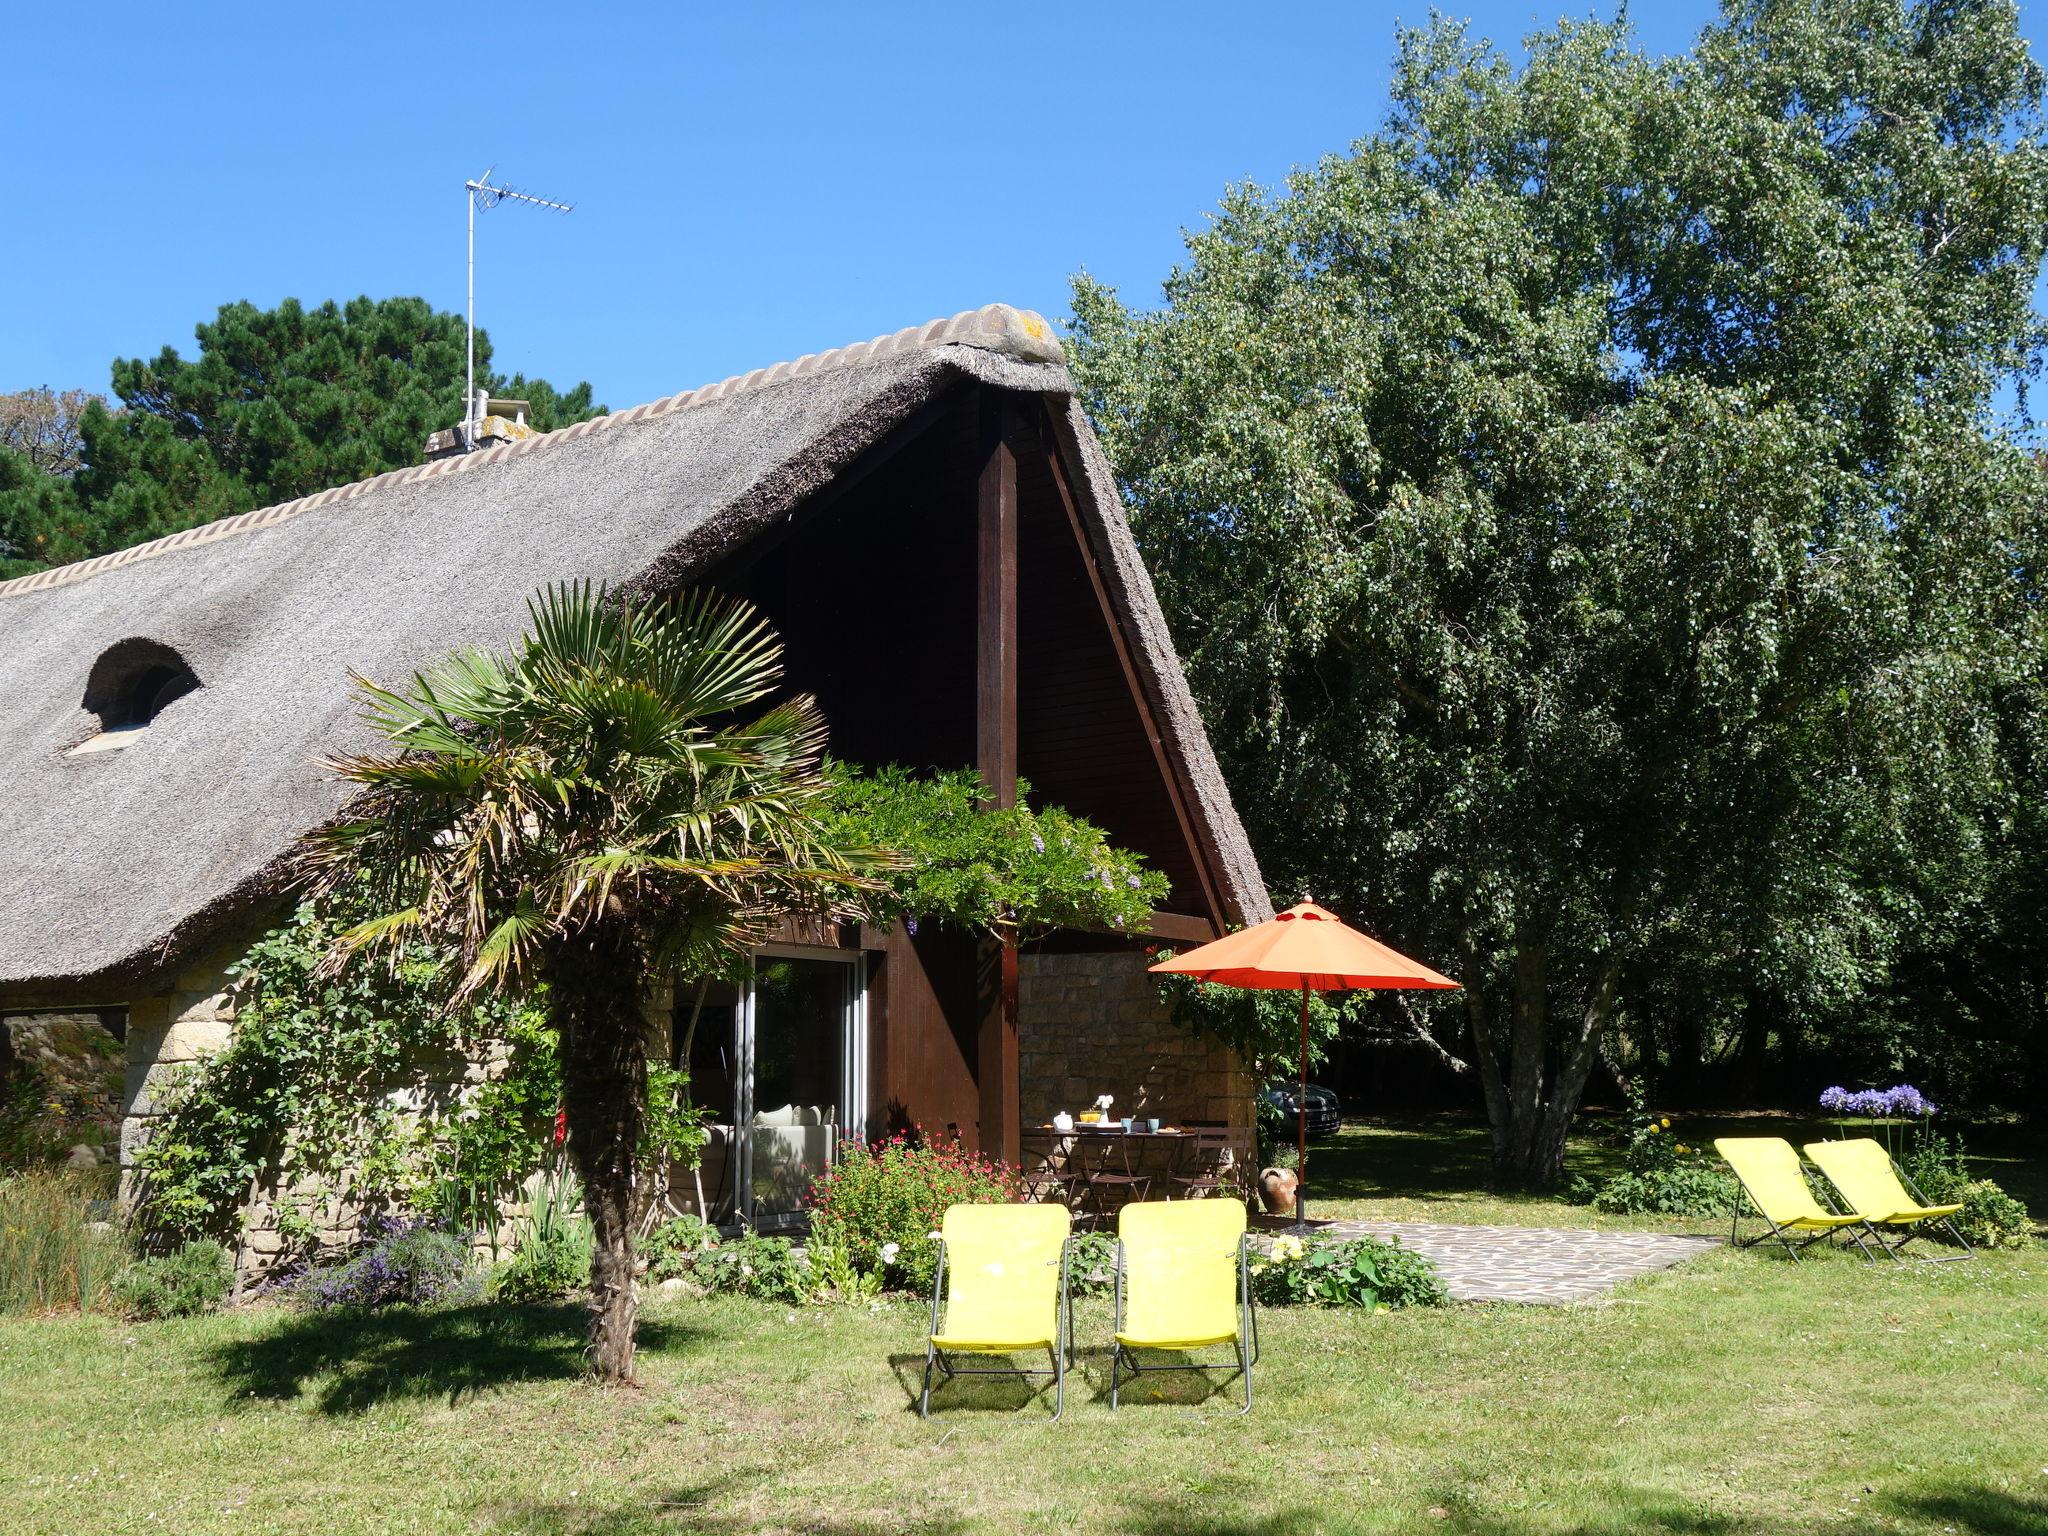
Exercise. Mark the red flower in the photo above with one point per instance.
(561, 1126)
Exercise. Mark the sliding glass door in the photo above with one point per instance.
(802, 1048)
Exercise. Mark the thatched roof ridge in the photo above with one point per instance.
(997, 327)
(116, 865)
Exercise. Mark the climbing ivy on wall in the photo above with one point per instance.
(1014, 874)
(349, 1081)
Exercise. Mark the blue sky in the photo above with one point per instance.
(752, 182)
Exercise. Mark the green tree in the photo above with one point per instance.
(1583, 513)
(277, 404)
(590, 812)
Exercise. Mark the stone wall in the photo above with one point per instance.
(171, 1030)
(167, 1031)
(1089, 1024)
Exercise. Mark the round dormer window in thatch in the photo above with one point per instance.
(129, 686)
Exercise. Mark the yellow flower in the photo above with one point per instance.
(1666, 1123)
(1684, 1150)
(1286, 1248)
(1653, 1130)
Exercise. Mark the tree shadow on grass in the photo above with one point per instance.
(352, 1361)
(1437, 1158)
(1977, 1511)
(1451, 1514)
(682, 1511)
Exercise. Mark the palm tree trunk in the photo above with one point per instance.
(595, 999)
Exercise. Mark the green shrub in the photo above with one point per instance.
(1989, 1218)
(882, 1201)
(836, 1278)
(546, 1267)
(1661, 1175)
(766, 1268)
(1690, 1190)
(672, 1247)
(53, 1254)
(1092, 1268)
(1407, 1279)
(184, 1283)
(1366, 1272)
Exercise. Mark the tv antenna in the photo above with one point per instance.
(490, 195)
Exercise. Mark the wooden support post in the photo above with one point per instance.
(996, 748)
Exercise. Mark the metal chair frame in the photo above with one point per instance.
(1786, 1235)
(1049, 1150)
(1189, 1172)
(1063, 1327)
(1920, 1229)
(1097, 1180)
(1124, 1360)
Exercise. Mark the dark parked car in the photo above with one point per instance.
(1278, 1100)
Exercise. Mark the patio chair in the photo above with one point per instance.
(1205, 1162)
(1767, 1170)
(1875, 1188)
(1048, 1169)
(1109, 1176)
(1184, 1282)
(1001, 1289)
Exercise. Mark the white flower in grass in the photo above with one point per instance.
(889, 1252)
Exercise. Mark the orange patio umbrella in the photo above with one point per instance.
(1309, 948)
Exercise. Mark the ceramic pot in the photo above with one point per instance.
(1276, 1190)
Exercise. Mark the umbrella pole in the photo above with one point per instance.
(1301, 1126)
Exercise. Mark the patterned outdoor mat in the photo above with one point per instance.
(1540, 1265)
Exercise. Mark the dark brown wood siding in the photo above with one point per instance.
(873, 590)
(1082, 742)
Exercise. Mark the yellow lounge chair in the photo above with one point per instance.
(1768, 1171)
(1872, 1186)
(1001, 1288)
(1184, 1282)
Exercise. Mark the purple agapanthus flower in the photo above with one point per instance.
(1869, 1101)
(1908, 1102)
(1836, 1099)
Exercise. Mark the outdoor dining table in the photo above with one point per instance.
(1091, 1159)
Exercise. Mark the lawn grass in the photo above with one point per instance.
(1739, 1394)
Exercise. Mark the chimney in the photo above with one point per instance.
(495, 421)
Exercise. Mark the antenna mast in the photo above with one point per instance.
(482, 188)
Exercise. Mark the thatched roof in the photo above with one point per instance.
(116, 864)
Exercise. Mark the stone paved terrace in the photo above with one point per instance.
(1539, 1265)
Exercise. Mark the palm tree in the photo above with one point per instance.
(589, 812)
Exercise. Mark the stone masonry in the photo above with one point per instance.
(1089, 1024)
(168, 1031)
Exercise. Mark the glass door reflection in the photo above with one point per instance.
(801, 1018)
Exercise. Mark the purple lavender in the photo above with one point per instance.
(413, 1264)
